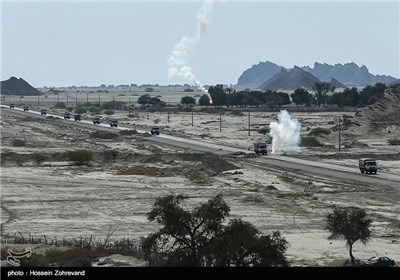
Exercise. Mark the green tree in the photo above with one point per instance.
(218, 95)
(301, 96)
(199, 237)
(188, 101)
(350, 224)
(204, 100)
(243, 245)
(321, 90)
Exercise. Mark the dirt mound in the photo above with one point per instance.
(379, 116)
(103, 135)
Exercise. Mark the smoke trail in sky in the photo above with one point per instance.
(177, 60)
(285, 133)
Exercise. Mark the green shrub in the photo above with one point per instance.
(80, 109)
(198, 178)
(113, 105)
(60, 105)
(39, 157)
(79, 157)
(81, 262)
(18, 143)
(110, 155)
(237, 113)
(19, 159)
(264, 130)
(34, 260)
(95, 109)
(310, 142)
(109, 112)
(394, 142)
(318, 131)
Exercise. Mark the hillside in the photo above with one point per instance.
(380, 117)
(296, 78)
(14, 86)
(259, 74)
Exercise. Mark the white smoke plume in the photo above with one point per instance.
(178, 59)
(285, 133)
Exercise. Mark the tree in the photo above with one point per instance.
(144, 99)
(218, 95)
(350, 224)
(321, 89)
(204, 100)
(199, 237)
(188, 101)
(301, 96)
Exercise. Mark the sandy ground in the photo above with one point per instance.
(63, 201)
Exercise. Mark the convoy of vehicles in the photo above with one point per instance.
(77, 117)
(368, 165)
(67, 115)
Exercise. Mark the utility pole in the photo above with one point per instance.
(67, 99)
(220, 121)
(76, 99)
(57, 97)
(339, 132)
(38, 99)
(87, 102)
(168, 116)
(99, 102)
(192, 118)
(249, 123)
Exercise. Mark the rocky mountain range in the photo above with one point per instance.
(14, 86)
(349, 74)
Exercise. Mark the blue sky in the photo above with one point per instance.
(64, 43)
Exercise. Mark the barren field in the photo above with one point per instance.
(58, 200)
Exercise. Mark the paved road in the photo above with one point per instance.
(296, 164)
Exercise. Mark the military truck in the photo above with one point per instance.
(11, 105)
(155, 130)
(260, 147)
(368, 165)
(43, 112)
(96, 120)
(26, 108)
(67, 115)
(114, 123)
(77, 117)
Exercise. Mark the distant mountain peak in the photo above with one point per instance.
(347, 74)
(15, 86)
